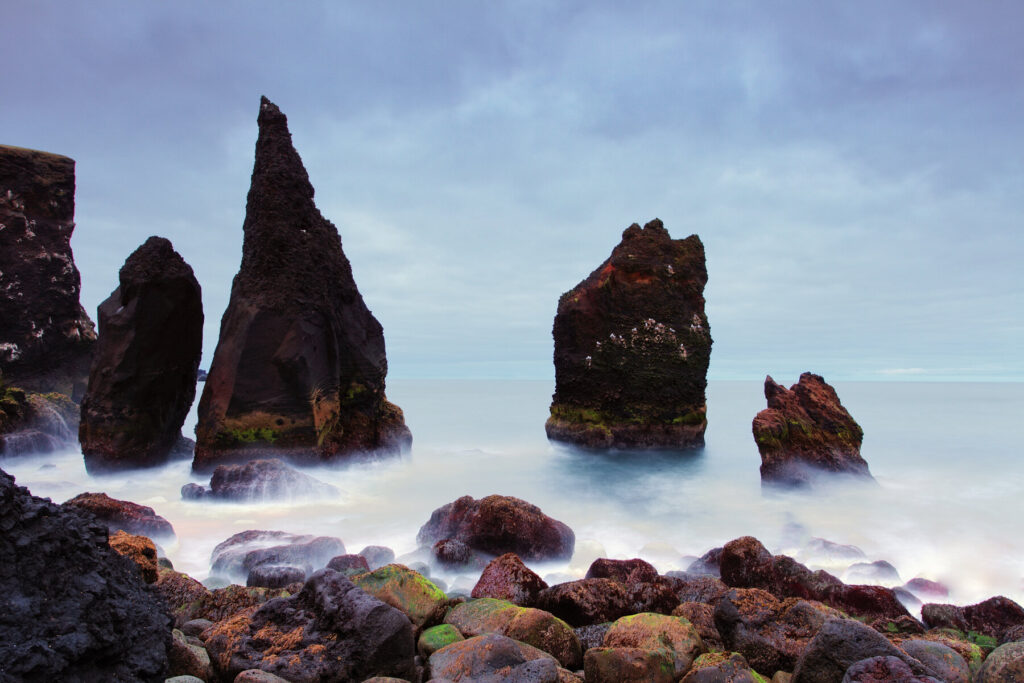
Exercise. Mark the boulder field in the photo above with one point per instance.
(300, 364)
(632, 346)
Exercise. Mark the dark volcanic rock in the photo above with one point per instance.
(330, 630)
(71, 608)
(507, 578)
(123, 515)
(840, 643)
(632, 346)
(300, 364)
(264, 480)
(585, 602)
(143, 376)
(806, 431)
(498, 525)
(46, 337)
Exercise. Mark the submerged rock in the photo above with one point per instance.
(300, 364)
(237, 556)
(259, 480)
(143, 376)
(632, 346)
(71, 608)
(46, 337)
(500, 524)
(806, 431)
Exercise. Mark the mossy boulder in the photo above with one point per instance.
(436, 637)
(628, 665)
(407, 590)
(528, 625)
(675, 637)
(722, 667)
(494, 657)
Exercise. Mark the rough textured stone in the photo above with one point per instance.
(124, 515)
(627, 665)
(349, 564)
(884, 670)
(143, 376)
(330, 630)
(409, 591)
(452, 553)
(1005, 664)
(623, 571)
(632, 346)
(186, 659)
(507, 578)
(947, 664)
(46, 338)
(994, 617)
(587, 601)
(527, 625)
(274, 576)
(140, 550)
(500, 524)
(675, 637)
(494, 658)
(300, 364)
(703, 619)
(70, 606)
(436, 637)
(722, 667)
(805, 431)
(840, 643)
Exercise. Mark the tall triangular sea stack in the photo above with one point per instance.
(300, 365)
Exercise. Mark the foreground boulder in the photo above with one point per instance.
(259, 480)
(839, 644)
(492, 658)
(498, 525)
(329, 631)
(143, 376)
(674, 637)
(632, 346)
(806, 431)
(71, 608)
(300, 364)
(46, 338)
(123, 515)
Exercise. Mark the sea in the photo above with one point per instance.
(947, 502)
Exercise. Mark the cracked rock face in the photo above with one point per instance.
(632, 346)
(46, 338)
(300, 364)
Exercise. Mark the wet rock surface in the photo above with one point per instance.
(236, 556)
(806, 431)
(71, 608)
(35, 423)
(300, 365)
(259, 480)
(123, 515)
(500, 524)
(46, 338)
(143, 376)
(632, 346)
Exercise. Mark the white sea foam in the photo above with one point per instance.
(946, 456)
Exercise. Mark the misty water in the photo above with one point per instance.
(946, 456)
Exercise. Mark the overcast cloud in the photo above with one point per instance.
(855, 170)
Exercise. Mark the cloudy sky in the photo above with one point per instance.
(855, 169)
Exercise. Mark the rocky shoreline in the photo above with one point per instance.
(312, 611)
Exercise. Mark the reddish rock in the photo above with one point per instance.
(300, 364)
(587, 601)
(745, 563)
(993, 617)
(181, 593)
(632, 346)
(507, 578)
(805, 431)
(46, 338)
(139, 550)
(452, 553)
(703, 619)
(123, 515)
(349, 565)
(494, 657)
(143, 376)
(498, 525)
(704, 589)
(623, 571)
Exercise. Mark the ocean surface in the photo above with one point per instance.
(947, 506)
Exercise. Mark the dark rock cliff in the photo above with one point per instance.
(300, 365)
(143, 377)
(632, 346)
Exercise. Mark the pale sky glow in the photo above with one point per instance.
(855, 170)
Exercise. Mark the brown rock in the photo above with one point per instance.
(507, 578)
(805, 431)
(627, 665)
(623, 571)
(123, 515)
(703, 619)
(492, 657)
(632, 346)
(143, 376)
(300, 364)
(587, 601)
(993, 617)
(46, 338)
(673, 636)
(140, 550)
(498, 525)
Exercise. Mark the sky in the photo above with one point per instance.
(854, 170)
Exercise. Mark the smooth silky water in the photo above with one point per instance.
(946, 456)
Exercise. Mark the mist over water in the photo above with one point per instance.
(947, 505)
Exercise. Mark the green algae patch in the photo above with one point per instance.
(436, 637)
(406, 590)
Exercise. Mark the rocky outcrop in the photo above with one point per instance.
(46, 338)
(500, 524)
(35, 423)
(123, 515)
(143, 376)
(806, 431)
(300, 364)
(71, 608)
(259, 480)
(632, 346)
